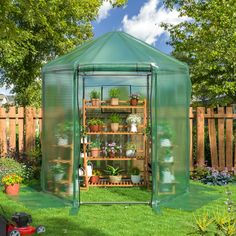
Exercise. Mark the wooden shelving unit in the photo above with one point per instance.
(142, 155)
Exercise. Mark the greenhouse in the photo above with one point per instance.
(115, 114)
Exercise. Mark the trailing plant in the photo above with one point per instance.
(112, 147)
(114, 93)
(115, 118)
(58, 169)
(11, 179)
(94, 94)
(133, 119)
(114, 171)
(130, 146)
(135, 171)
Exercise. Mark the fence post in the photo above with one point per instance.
(221, 141)
(3, 131)
(12, 128)
(191, 138)
(200, 136)
(212, 137)
(21, 129)
(30, 128)
(229, 139)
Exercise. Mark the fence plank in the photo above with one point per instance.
(221, 141)
(200, 136)
(40, 122)
(191, 162)
(212, 138)
(21, 129)
(3, 131)
(229, 139)
(29, 129)
(12, 128)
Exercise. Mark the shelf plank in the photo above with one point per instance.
(115, 158)
(109, 133)
(122, 184)
(61, 161)
(114, 107)
(64, 146)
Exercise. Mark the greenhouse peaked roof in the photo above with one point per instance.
(114, 48)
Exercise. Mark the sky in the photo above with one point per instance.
(140, 18)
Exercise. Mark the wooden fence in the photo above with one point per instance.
(212, 129)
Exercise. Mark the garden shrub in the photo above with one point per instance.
(10, 166)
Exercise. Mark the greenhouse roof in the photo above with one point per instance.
(114, 48)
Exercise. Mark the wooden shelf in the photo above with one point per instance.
(114, 158)
(121, 184)
(114, 107)
(111, 133)
(61, 161)
(63, 146)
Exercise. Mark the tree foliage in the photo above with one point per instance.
(207, 42)
(36, 31)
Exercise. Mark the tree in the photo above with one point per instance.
(36, 31)
(207, 42)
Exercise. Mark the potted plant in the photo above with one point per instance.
(130, 149)
(111, 149)
(12, 184)
(165, 134)
(63, 131)
(93, 125)
(134, 97)
(100, 125)
(166, 176)
(135, 175)
(89, 169)
(83, 133)
(133, 120)
(115, 120)
(58, 172)
(114, 94)
(168, 156)
(95, 148)
(114, 174)
(94, 179)
(95, 97)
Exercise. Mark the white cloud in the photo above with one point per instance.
(103, 12)
(146, 25)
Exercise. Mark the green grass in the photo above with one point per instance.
(99, 220)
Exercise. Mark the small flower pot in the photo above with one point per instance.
(169, 159)
(165, 142)
(135, 179)
(114, 101)
(58, 177)
(94, 179)
(114, 127)
(133, 102)
(62, 141)
(95, 152)
(130, 153)
(100, 127)
(95, 102)
(12, 190)
(111, 154)
(93, 128)
(133, 128)
(89, 170)
(84, 139)
(115, 179)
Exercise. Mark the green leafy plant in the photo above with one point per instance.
(95, 144)
(58, 169)
(12, 179)
(94, 121)
(94, 94)
(110, 170)
(64, 129)
(135, 171)
(133, 118)
(97, 173)
(131, 146)
(114, 93)
(135, 96)
(115, 118)
(10, 166)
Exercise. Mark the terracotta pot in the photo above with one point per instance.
(94, 179)
(133, 102)
(114, 127)
(115, 179)
(111, 154)
(100, 127)
(135, 179)
(95, 152)
(95, 102)
(93, 128)
(12, 189)
(114, 101)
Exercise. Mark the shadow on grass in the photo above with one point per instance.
(197, 197)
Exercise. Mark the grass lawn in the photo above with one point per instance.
(97, 220)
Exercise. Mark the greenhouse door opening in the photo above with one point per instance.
(115, 147)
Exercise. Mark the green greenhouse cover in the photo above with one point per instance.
(116, 60)
(117, 48)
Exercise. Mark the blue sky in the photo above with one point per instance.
(140, 18)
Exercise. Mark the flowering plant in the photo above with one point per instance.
(134, 96)
(133, 118)
(112, 148)
(11, 179)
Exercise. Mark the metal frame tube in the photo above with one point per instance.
(114, 203)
